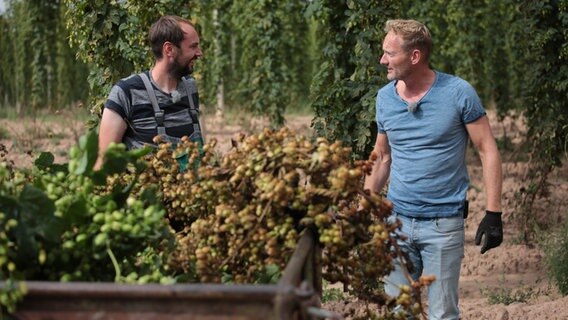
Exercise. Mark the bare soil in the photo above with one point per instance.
(514, 270)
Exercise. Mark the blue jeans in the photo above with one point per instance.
(435, 247)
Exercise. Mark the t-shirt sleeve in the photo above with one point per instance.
(472, 109)
(118, 101)
(378, 116)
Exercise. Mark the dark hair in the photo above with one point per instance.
(414, 34)
(167, 28)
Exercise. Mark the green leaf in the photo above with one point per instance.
(77, 212)
(149, 195)
(37, 213)
(139, 153)
(27, 252)
(8, 205)
(45, 159)
(114, 163)
(35, 203)
(88, 144)
(270, 275)
(121, 192)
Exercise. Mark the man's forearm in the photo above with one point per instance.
(376, 181)
(492, 177)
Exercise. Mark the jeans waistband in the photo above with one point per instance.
(425, 218)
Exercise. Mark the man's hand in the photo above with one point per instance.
(491, 230)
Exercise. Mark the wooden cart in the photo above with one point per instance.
(295, 296)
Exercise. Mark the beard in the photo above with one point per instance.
(180, 70)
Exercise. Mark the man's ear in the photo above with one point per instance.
(168, 49)
(416, 56)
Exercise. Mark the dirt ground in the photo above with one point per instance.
(512, 270)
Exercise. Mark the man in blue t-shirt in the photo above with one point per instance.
(424, 119)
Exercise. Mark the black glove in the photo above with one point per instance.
(491, 230)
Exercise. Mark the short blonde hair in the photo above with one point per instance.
(415, 35)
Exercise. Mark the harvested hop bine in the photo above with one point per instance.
(239, 215)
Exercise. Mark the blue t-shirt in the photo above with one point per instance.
(428, 172)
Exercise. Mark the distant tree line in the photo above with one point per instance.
(38, 68)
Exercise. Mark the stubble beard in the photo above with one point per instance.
(179, 70)
(398, 74)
